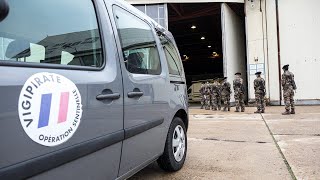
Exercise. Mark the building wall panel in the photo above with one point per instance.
(299, 22)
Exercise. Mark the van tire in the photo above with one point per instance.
(167, 161)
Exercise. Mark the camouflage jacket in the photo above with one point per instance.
(215, 88)
(207, 90)
(259, 85)
(287, 81)
(225, 89)
(220, 88)
(238, 86)
(202, 89)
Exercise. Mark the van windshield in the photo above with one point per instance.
(56, 32)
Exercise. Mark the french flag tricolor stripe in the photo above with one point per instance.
(63, 111)
(45, 108)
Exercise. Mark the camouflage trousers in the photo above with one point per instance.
(207, 101)
(239, 98)
(203, 100)
(226, 101)
(219, 101)
(215, 101)
(260, 101)
(288, 99)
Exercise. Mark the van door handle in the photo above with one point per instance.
(135, 94)
(108, 96)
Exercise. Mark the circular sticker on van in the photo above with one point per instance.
(50, 108)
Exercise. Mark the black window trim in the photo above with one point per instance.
(154, 34)
(68, 67)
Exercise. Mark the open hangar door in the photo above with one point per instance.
(210, 38)
(234, 46)
(197, 31)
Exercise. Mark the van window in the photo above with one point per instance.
(138, 43)
(56, 32)
(173, 59)
(173, 67)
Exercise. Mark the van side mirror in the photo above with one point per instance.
(4, 9)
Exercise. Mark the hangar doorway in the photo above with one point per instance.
(211, 39)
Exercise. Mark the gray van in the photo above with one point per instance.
(89, 89)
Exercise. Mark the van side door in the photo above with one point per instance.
(145, 96)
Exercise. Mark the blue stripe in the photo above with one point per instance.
(45, 110)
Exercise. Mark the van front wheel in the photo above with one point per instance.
(175, 150)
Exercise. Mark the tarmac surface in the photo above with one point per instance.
(229, 145)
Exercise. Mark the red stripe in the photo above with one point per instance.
(64, 103)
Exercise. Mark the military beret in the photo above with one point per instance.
(238, 73)
(258, 73)
(285, 66)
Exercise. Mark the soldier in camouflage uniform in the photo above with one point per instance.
(259, 91)
(207, 95)
(215, 91)
(289, 86)
(238, 88)
(219, 95)
(225, 93)
(202, 93)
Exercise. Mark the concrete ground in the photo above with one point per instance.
(229, 145)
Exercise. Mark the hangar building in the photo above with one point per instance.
(217, 38)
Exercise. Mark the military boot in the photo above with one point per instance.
(228, 109)
(257, 112)
(242, 110)
(287, 112)
(262, 111)
(225, 109)
(237, 110)
(293, 111)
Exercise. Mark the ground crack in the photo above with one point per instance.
(296, 134)
(280, 151)
(230, 140)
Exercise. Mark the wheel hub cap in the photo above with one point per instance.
(178, 143)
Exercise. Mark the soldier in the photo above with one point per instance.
(238, 88)
(202, 93)
(289, 86)
(260, 92)
(215, 91)
(225, 93)
(207, 95)
(219, 95)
